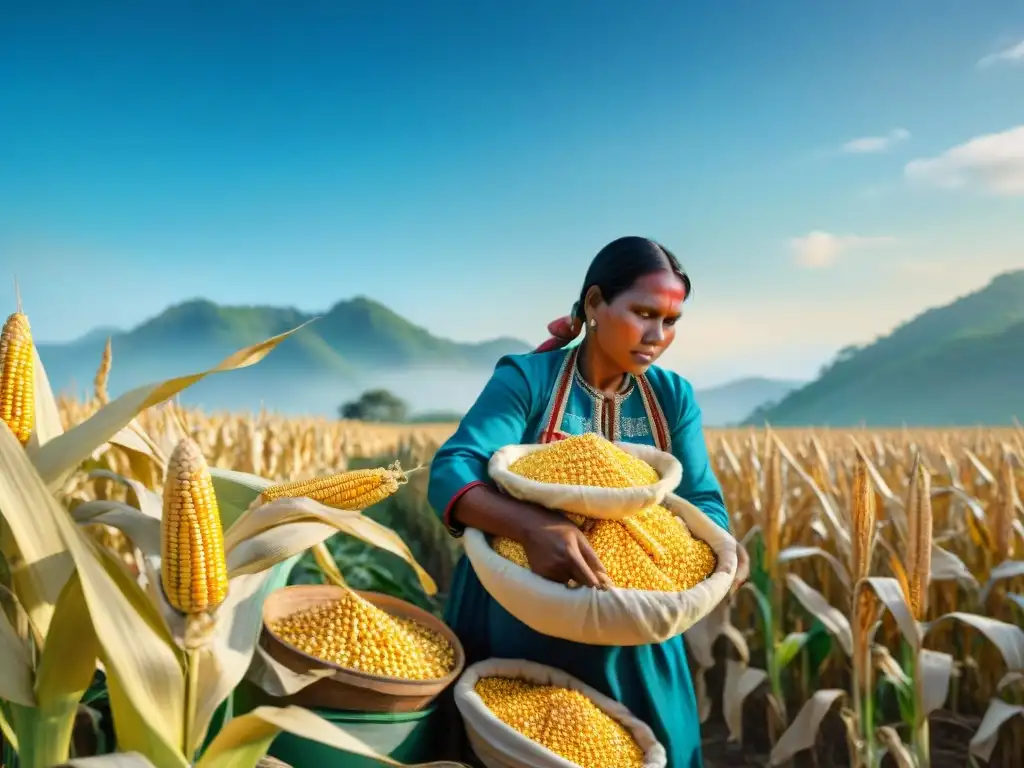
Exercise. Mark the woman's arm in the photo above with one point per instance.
(460, 489)
(699, 486)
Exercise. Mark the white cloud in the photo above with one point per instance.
(817, 250)
(1012, 55)
(866, 144)
(993, 162)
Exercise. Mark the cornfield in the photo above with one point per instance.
(881, 619)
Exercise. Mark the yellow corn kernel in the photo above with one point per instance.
(687, 560)
(652, 550)
(193, 570)
(625, 561)
(354, 633)
(511, 550)
(17, 372)
(587, 459)
(561, 720)
(354, 490)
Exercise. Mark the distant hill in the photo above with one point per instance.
(730, 403)
(959, 364)
(355, 344)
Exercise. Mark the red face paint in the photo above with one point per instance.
(662, 289)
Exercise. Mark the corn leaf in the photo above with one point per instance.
(1008, 569)
(936, 672)
(948, 567)
(41, 565)
(277, 680)
(47, 419)
(890, 593)
(983, 743)
(300, 523)
(16, 669)
(740, 682)
(1007, 638)
(792, 554)
(66, 669)
(815, 604)
(789, 648)
(59, 457)
(803, 732)
(143, 530)
(223, 663)
(244, 740)
(150, 502)
(115, 760)
(236, 491)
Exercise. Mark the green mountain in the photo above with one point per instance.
(356, 344)
(959, 364)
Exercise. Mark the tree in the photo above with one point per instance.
(375, 405)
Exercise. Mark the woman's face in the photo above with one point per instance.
(634, 329)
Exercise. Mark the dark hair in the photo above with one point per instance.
(621, 263)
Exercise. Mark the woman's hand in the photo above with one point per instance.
(558, 551)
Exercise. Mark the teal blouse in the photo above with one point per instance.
(540, 398)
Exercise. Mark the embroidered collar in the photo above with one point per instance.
(619, 397)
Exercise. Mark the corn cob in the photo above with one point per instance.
(193, 568)
(353, 490)
(587, 459)
(561, 720)
(353, 633)
(17, 375)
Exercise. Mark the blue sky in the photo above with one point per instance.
(811, 162)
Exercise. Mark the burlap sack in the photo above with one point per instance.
(603, 503)
(499, 746)
(616, 617)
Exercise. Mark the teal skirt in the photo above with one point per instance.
(653, 681)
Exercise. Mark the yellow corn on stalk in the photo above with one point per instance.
(17, 371)
(193, 570)
(354, 633)
(561, 720)
(353, 490)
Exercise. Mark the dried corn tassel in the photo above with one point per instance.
(919, 539)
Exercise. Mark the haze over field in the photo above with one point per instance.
(957, 364)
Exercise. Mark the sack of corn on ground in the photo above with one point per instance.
(585, 477)
(519, 714)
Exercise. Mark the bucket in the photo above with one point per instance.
(408, 737)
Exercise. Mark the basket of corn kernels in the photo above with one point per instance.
(518, 713)
(386, 655)
(669, 564)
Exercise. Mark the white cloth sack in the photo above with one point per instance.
(500, 746)
(602, 503)
(616, 616)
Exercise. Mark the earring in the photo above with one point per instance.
(593, 323)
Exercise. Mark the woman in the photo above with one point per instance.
(631, 300)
